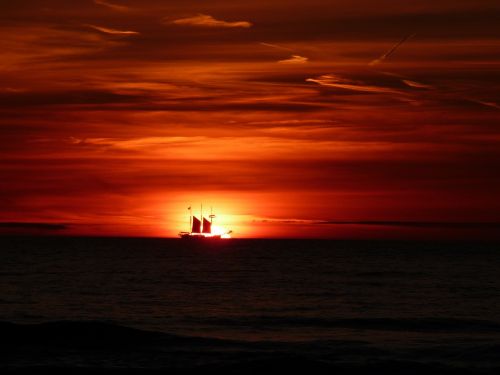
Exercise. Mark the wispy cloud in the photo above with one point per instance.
(408, 82)
(487, 103)
(388, 223)
(108, 30)
(331, 80)
(294, 59)
(30, 225)
(119, 8)
(205, 20)
(291, 122)
(417, 85)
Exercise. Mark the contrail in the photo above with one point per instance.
(276, 46)
(392, 50)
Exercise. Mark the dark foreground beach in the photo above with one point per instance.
(97, 305)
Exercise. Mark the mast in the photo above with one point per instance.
(190, 218)
(207, 224)
(211, 216)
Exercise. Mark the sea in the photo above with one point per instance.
(113, 305)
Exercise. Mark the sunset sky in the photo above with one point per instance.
(292, 118)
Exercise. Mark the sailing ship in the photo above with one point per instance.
(202, 228)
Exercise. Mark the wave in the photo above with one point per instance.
(436, 325)
(391, 274)
(90, 347)
(94, 333)
(106, 333)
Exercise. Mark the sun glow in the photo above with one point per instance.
(217, 230)
(209, 235)
(200, 224)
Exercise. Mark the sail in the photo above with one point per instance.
(196, 225)
(207, 226)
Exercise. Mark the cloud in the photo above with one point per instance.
(417, 85)
(40, 226)
(205, 20)
(107, 30)
(294, 59)
(291, 122)
(388, 223)
(67, 97)
(119, 8)
(487, 104)
(331, 80)
(417, 224)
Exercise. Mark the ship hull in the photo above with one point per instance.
(198, 237)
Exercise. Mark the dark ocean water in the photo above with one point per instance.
(249, 305)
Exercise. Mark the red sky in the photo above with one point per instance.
(284, 116)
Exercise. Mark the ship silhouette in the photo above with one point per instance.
(202, 228)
